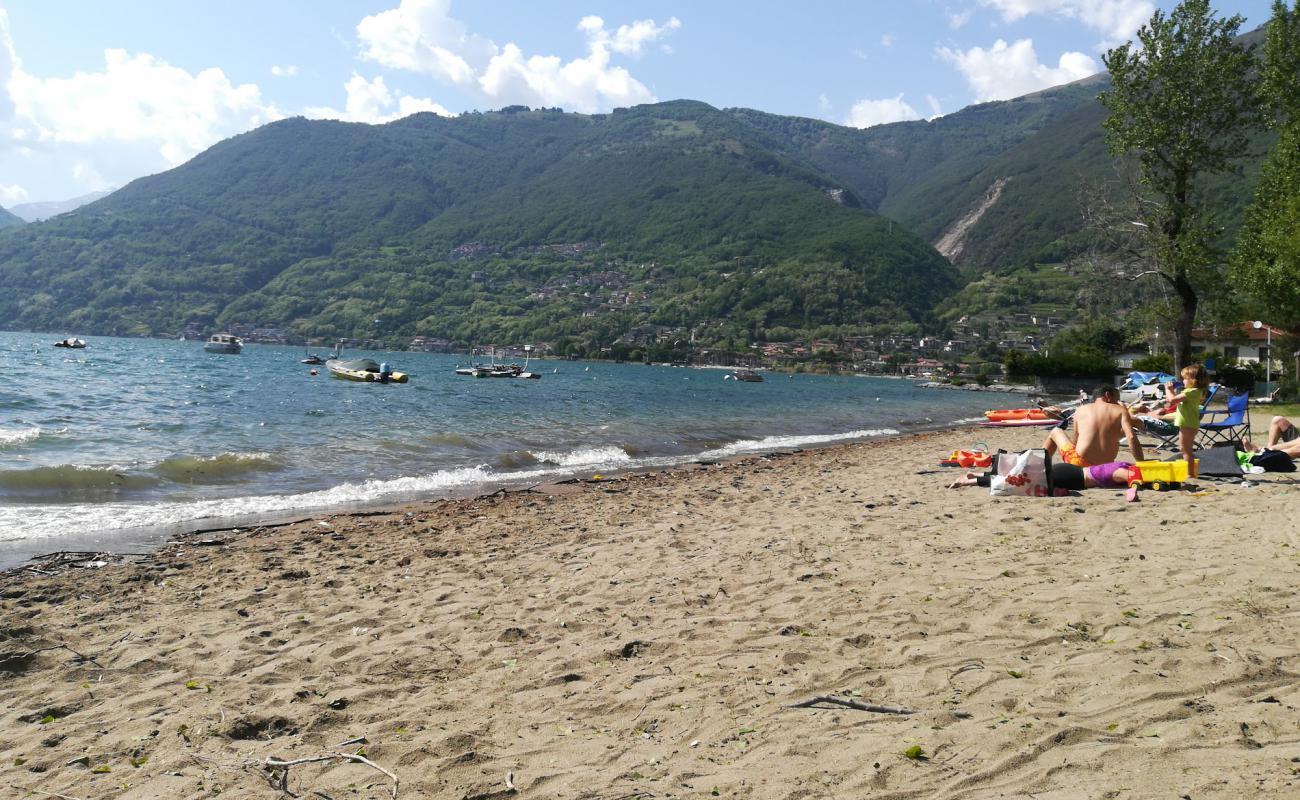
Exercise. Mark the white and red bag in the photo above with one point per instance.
(1026, 474)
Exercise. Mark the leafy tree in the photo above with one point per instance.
(1157, 362)
(1183, 103)
(1267, 259)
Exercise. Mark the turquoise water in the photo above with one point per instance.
(133, 439)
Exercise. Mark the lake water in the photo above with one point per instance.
(116, 446)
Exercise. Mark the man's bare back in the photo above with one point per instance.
(1098, 427)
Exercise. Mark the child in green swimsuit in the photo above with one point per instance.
(1188, 414)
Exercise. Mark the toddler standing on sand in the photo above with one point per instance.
(1187, 415)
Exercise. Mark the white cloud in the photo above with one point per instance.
(858, 54)
(286, 71)
(136, 115)
(1009, 70)
(887, 40)
(12, 194)
(422, 36)
(936, 110)
(1115, 20)
(373, 102)
(824, 103)
(866, 113)
(139, 98)
(628, 39)
(957, 19)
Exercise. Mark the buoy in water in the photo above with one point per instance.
(312, 372)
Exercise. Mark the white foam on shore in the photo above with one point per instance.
(51, 521)
(591, 456)
(10, 438)
(19, 522)
(787, 442)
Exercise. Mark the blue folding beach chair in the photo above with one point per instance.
(1233, 426)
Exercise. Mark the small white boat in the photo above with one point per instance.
(71, 341)
(747, 376)
(224, 343)
(364, 370)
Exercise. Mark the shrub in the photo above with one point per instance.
(1079, 364)
(1160, 362)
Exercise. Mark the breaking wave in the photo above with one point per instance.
(787, 442)
(223, 468)
(13, 438)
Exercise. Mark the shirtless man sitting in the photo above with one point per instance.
(1098, 428)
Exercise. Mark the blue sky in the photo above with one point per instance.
(94, 94)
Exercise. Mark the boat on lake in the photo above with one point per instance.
(224, 343)
(310, 357)
(364, 370)
(497, 369)
(747, 375)
(72, 342)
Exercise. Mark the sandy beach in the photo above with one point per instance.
(647, 637)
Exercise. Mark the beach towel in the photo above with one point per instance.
(1216, 462)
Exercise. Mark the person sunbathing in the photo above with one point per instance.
(1068, 477)
(1283, 436)
(1282, 431)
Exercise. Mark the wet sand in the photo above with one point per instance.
(646, 637)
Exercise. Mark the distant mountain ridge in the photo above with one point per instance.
(488, 226)
(37, 212)
(8, 220)
(334, 228)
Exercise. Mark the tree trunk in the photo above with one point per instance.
(1186, 317)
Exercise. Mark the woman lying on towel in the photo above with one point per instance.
(1068, 477)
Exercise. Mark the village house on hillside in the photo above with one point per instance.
(1243, 342)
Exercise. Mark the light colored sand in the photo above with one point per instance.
(642, 638)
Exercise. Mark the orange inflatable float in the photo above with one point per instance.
(1016, 414)
(968, 459)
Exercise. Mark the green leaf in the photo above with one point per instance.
(916, 753)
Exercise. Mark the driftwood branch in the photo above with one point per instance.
(38, 651)
(853, 704)
(283, 768)
(44, 793)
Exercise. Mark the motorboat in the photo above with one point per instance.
(747, 376)
(310, 357)
(364, 370)
(71, 341)
(499, 370)
(224, 343)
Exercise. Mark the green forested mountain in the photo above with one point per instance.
(537, 224)
(994, 186)
(477, 227)
(8, 220)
